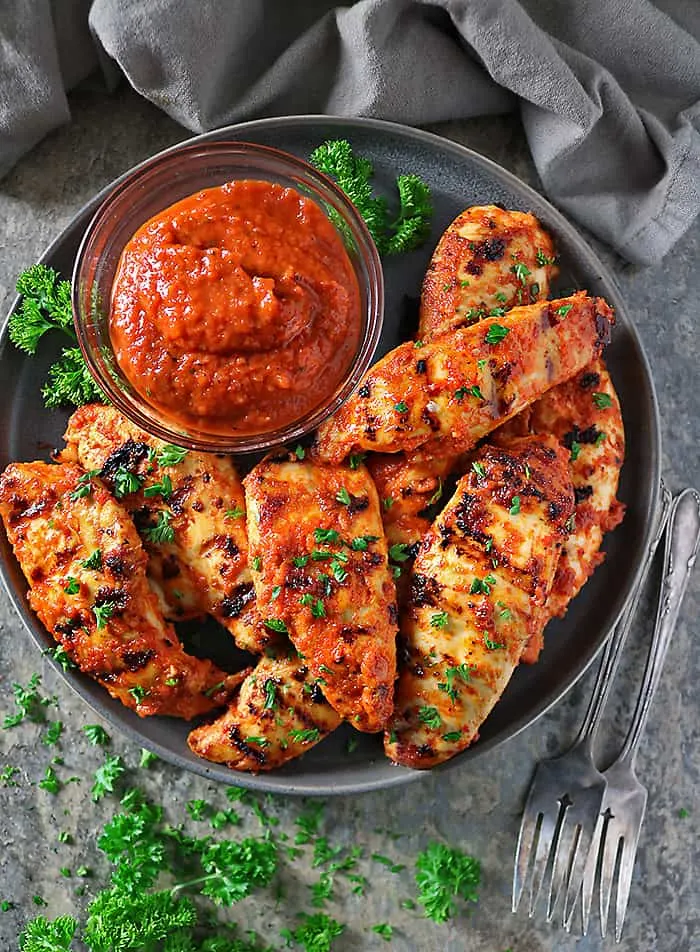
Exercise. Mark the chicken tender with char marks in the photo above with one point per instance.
(479, 584)
(488, 261)
(190, 511)
(325, 579)
(448, 394)
(584, 415)
(278, 714)
(86, 570)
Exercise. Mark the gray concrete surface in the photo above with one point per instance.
(477, 806)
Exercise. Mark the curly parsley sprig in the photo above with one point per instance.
(353, 173)
(46, 306)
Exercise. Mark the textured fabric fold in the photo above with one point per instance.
(609, 92)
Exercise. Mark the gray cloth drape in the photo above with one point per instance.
(608, 90)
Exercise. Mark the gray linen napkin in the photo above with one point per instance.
(608, 90)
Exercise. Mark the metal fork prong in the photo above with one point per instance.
(611, 848)
(529, 831)
(584, 847)
(584, 896)
(547, 845)
(567, 849)
(624, 882)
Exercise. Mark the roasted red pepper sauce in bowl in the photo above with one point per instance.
(238, 315)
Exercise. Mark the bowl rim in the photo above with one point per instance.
(278, 782)
(367, 253)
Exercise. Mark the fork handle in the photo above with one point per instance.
(680, 553)
(616, 642)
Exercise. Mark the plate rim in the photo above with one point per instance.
(402, 775)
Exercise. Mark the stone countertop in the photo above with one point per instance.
(477, 806)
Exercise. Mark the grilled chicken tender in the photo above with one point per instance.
(278, 714)
(86, 570)
(449, 393)
(488, 259)
(325, 579)
(201, 566)
(479, 583)
(584, 415)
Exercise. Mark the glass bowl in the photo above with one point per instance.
(155, 185)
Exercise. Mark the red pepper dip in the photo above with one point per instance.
(237, 309)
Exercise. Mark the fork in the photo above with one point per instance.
(625, 799)
(566, 795)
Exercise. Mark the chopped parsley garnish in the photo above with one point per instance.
(479, 469)
(147, 758)
(452, 736)
(236, 513)
(474, 391)
(360, 543)
(138, 692)
(29, 703)
(600, 438)
(505, 612)
(439, 620)
(326, 536)
(162, 531)
(496, 333)
(258, 741)
(300, 561)
(106, 776)
(72, 587)
(384, 930)
(343, 497)
(93, 561)
(103, 612)
(308, 735)
(564, 309)
(542, 258)
(317, 607)
(514, 506)
(299, 451)
(496, 312)
(276, 624)
(388, 503)
(256, 563)
(482, 586)
(461, 672)
(7, 776)
(60, 655)
(96, 734)
(276, 591)
(270, 689)
(53, 733)
(126, 482)
(401, 407)
(442, 876)
(575, 450)
(602, 400)
(430, 716)
(170, 455)
(163, 488)
(356, 460)
(501, 297)
(84, 486)
(337, 570)
(399, 552)
(492, 645)
(418, 344)
(521, 272)
(437, 495)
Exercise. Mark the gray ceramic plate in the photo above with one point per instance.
(458, 178)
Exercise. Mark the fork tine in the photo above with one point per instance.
(624, 882)
(611, 849)
(529, 833)
(587, 845)
(567, 848)
(547, 846)
(585, 893)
